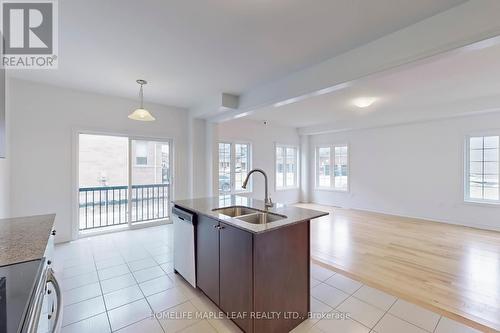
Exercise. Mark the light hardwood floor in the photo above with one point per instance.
(451, 270)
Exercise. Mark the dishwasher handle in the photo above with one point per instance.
(183, 215)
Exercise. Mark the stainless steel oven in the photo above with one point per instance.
(30, 296)
(44, 314)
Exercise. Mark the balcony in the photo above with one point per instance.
(108, 206)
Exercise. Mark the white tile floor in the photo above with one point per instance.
(117, 282)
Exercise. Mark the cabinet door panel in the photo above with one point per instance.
(236, 287)
(207, 257)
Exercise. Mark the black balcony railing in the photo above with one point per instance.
(109, 205)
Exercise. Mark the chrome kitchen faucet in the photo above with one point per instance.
(267, 200)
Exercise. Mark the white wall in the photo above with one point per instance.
(263, 139)
(199, 157)
(413, 170)
(43, 122)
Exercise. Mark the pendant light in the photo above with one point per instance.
(141, 113)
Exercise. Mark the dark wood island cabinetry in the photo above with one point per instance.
(258, 277)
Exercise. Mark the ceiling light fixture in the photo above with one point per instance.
(141, 113)
(364, 102)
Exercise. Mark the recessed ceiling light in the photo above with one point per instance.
(364, 102)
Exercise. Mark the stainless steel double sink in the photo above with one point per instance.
(249, 215)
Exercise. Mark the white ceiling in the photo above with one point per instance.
(455, 83)
(191, 50)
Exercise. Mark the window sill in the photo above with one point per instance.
(482, 203)
(284, 189)
(242, 192)
(331, 189)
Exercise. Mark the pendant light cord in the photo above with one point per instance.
(141, 96)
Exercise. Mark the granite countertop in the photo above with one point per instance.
(205, 207)
(24, 238)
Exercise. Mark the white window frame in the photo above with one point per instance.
(285, 186)
(466, 168)
(232, 164)
(75, 232)
(332, 164)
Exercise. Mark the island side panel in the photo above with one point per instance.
(281, 276)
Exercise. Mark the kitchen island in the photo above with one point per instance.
(251, 262)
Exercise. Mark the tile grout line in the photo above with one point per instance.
(194, 305)
(116, 275)
(102, 295)
(86, 318)
(350, 295)
(423, 329)
(131, 273)
(369, 328)
(335, 308)
(95, 315)
(386, 312)
(316, 323)
(365, 302)
(437, 324)
(145, 298)
(83, 285)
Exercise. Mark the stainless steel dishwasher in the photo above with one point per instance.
(184, 244)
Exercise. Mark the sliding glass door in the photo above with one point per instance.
(150, 180)
(122, 181)
(102, 181)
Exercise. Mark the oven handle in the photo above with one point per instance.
(33, 322)
(51, 278)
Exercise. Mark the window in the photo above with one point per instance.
(234, 165)
(141, 153)
(332, 167)
(286, 167)
(324, 179)
(482, 169)
(241, 164)
(340, 168)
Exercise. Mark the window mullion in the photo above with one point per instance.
(232, 163)
(249, 164)
(332, 166)
(296, 165)
(467, 168)
(316, 165)
(482, 171)
(285, 167)
(276, 165)
(283, 164)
